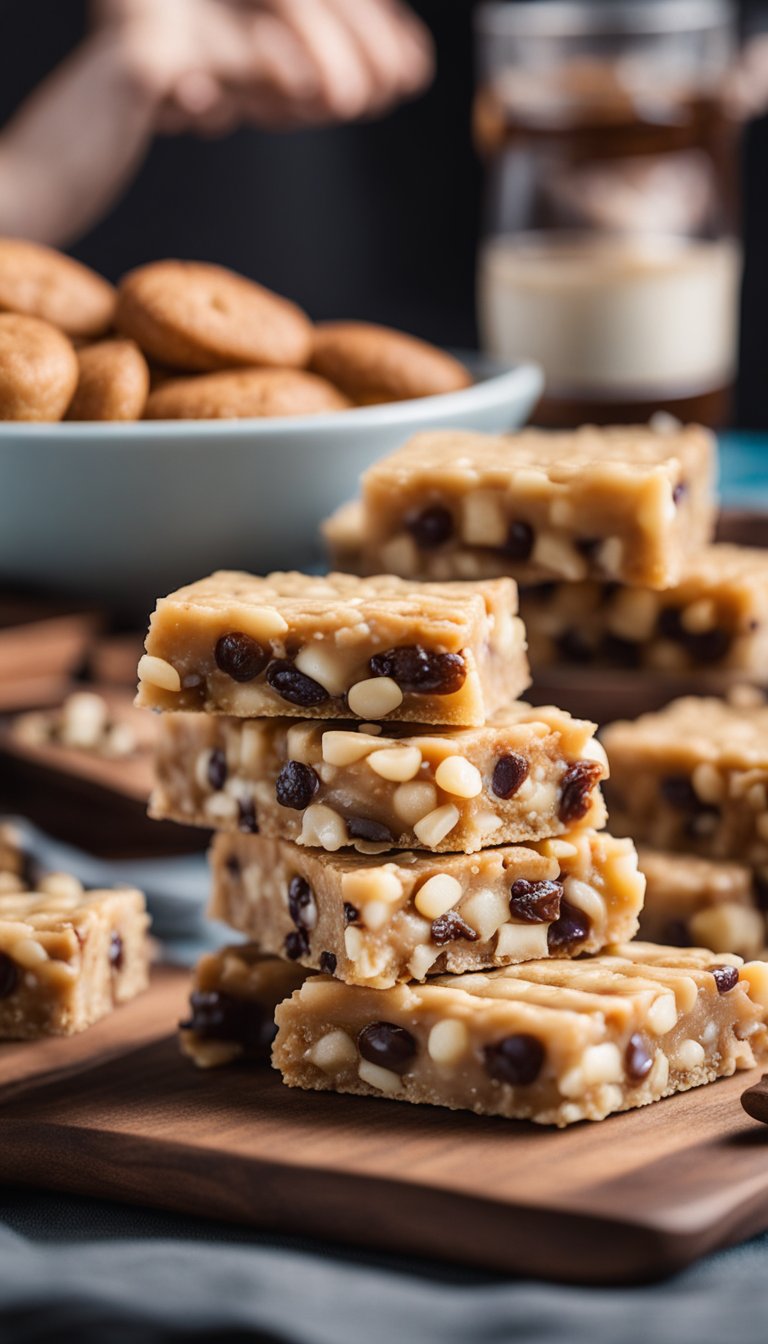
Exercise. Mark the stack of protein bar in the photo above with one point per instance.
(391, 817)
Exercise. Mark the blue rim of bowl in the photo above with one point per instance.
(524, 379)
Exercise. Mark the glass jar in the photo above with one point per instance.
(611, 251)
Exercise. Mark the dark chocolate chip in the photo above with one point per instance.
(678, 791)
(296, 785)
(509, 773)
(351, 913)
(450, 926)
(620, 652)
(217, 769)
(232, 865)
(519, 541)
(301, 902)
(293, 686)
(246, 816)
(296, 944)
(588, 546)
(430, 528)
(702, 646)
(362, 828)
(638, 1058)
(9, 975)
(680, 490)
(574, 647)
(535, 902)
(328, 963)
(569, 930)
(516, 1060)
(576, 790)
(116, 951)
(726, 978)
(220, 1017)
(419, 672)
(385, 1044)
(240, 656)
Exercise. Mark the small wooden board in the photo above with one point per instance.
(119, 1113)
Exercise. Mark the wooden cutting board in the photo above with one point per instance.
(118, 1113)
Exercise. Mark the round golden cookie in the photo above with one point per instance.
(374, 364)
(38, 369)
(40, 282)
(191, 315)
(237, 394)
(113, 382)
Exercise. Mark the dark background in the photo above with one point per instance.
(377, 221)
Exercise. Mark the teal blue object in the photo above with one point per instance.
(744, 470)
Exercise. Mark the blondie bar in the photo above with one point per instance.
(693, 902)
(232, 1005)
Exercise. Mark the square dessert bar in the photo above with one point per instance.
(68, 956)
(715, 617)
(694, 777)
(336, 647)
(550, 1041)
(693, 902)
(625, 503)
(232, 1005)
(527, 775)
(407, 915)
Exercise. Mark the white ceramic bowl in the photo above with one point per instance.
(125, 512)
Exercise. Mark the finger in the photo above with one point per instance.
(398, 58)
(346, 83)
(279, 59)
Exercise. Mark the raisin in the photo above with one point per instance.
(362, 828)
(702, 646)
(9, 975)
(578, 782)
(296, 944)
(569, 930)
(726, 978)
(293, 686)
(430, 528)
(328, 963)
(296, 785)
(385, 1044)
(588, 546)
(351, 913)
(450, 926)
(519, 541)
(232, 865)
(217, 769)
(509, 773)
(516, 1060)
(241, 657)
(301, 903)
(116, 951)
(220, 1017)
(679, 492)
(535, 902)
(574, 647)
(638, 1058)
(246, 816)
(419, 672)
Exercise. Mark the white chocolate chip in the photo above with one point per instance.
(374, 698)
(353, 942)
(346, 748)
(558, 556)
(333, 1052)
(265, 623)
(610, 556)
(483, 519)
(422, 960)
(662, 1014)
(572, 1083)
(28, 953)
(220, 807)
(398, 764)
(688, 1055)
(384, 1080)
(633, 614)
(253, 746)
(83, 720)
(755, 973)
(375, 914)
(400, 556)
(436, 825)
(602, 1064)
(302, 743)
(485, 910)
(459, 776)
(448, 1041)
(699, 617)
(322, 827)
(323, 663)
(61, 886)
(158, 672)
(413, 801)
(522, 942)
(372, 884)
(729, 928)
(437, 895)
(201, 770)
(659, 1075)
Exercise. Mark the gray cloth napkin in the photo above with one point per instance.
(76, 1270)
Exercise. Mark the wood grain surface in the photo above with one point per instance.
(119, 1113)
